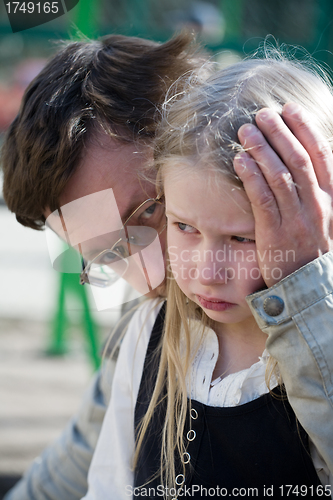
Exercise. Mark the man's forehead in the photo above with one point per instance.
(109, 164)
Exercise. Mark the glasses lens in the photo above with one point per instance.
(141, 229)
(108, 268)
(151, 214)
(138, 236)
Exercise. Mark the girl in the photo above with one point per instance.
(206, 401)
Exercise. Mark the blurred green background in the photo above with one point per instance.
(235, 25)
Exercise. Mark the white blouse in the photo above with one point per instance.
(111, 473)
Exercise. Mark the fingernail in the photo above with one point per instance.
(248, 130)
(241, 157)
(265, 114)
(292, 108)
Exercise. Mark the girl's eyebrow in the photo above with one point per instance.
(244, 232)
(169, 212)
(185, 217)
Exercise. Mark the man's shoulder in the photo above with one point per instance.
(144, 317)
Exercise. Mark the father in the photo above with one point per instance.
(86, 124)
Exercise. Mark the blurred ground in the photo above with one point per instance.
(38, 394)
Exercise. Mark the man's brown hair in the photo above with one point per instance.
(117, 83)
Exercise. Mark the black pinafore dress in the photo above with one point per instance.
(257, 449)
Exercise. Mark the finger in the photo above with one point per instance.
(277, 176)
(290, 150)
(265, 208)
(317, 147)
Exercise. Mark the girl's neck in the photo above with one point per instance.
(239, 347)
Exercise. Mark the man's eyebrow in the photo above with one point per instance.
(129, 212)
(91, 254)
(130, 209)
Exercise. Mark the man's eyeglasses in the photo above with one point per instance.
(140, 229)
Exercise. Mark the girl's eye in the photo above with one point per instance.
(186, 228)
(241, 239)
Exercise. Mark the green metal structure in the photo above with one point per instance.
(69, 288)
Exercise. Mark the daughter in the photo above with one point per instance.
(206, 403)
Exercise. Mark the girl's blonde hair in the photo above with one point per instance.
(199, 129)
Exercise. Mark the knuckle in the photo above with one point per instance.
(248, 175)
(323, 153)
(258, 148)
(265, 201)
(298, 160)
(275, 128)
(255, 144)
(303, 123)
(282, 180)
(252, 176)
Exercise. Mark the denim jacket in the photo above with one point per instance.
(296, 314)
(300, 338)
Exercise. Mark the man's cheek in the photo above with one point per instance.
(153, 261)
(163, 241)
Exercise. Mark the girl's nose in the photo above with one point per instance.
(212, 272)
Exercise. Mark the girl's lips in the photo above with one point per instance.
(214, 304)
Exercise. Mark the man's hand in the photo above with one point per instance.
(288, 177)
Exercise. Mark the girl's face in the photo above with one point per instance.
(211, 243)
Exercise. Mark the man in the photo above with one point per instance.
(86, 124)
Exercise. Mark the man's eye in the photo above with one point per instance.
(147, 214)
(110, 257)
(241, 239)
(186, 228)
(107, 258)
